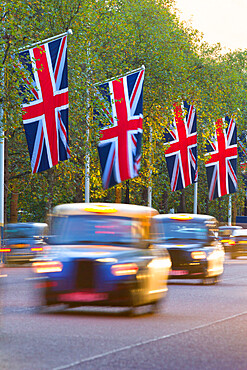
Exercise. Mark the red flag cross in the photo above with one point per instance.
(182, 143)
(222, 154)
(122, 124)
(51, 100)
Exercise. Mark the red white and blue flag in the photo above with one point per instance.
(121, 138)
(45, 108)
(221, 159)
(181, 155)
(242, 151)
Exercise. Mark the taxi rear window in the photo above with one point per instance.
(80, 229)
(16, 232)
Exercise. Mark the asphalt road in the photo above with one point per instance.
(198, 327)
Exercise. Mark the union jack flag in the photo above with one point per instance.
(221, 165)
(121, 138)
(45, 109)
(181, 155)
(242, 151)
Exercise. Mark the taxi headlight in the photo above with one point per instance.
(160, 263)
(216, 255)
(124, 269)
(198, 255)
(107, 260)
(48, 266)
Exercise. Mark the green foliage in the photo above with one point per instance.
(109, 39)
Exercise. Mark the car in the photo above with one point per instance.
(23, 241)
(225, 235)
(101, 254)
(191, 240)
(238, 246)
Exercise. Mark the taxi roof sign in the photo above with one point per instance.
(100, 209)
(181, 217)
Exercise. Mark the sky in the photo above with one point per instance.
(223, 21)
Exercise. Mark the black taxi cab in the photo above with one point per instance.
(238, 243)
(101, 254)
(193, 245)
(23, 241)
(226, 235)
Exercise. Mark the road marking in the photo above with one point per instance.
(96, 357)
(235, 262)
(235, 278)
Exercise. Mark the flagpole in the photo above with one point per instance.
(1, 178)
(150, 171)
(87, 156)
(230, 210)
(69, 32)
(195, 197)
(1, 169)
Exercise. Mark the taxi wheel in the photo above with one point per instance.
(133, 303)
(135, 296)
(210, 280)
(155, 307)
(132, 312)
(43, 306)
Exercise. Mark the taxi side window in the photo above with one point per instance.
(225, 233)
(156, 230)
(137, 230)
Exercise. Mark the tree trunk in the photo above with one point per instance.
(164, 204)
(14, 207)
(118, 194)
(234, 212)
(78, 198)
(220, 219)
(127, 194)
(50, 188)
(207, 205)
(182, 206)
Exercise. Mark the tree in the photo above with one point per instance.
(110, 39)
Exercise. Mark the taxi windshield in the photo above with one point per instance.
(81, 229)
(176, 230)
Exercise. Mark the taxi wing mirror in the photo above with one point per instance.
(49, 239)
(212, 238)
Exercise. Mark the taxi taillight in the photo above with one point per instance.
(37, 249)
(5, 250)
